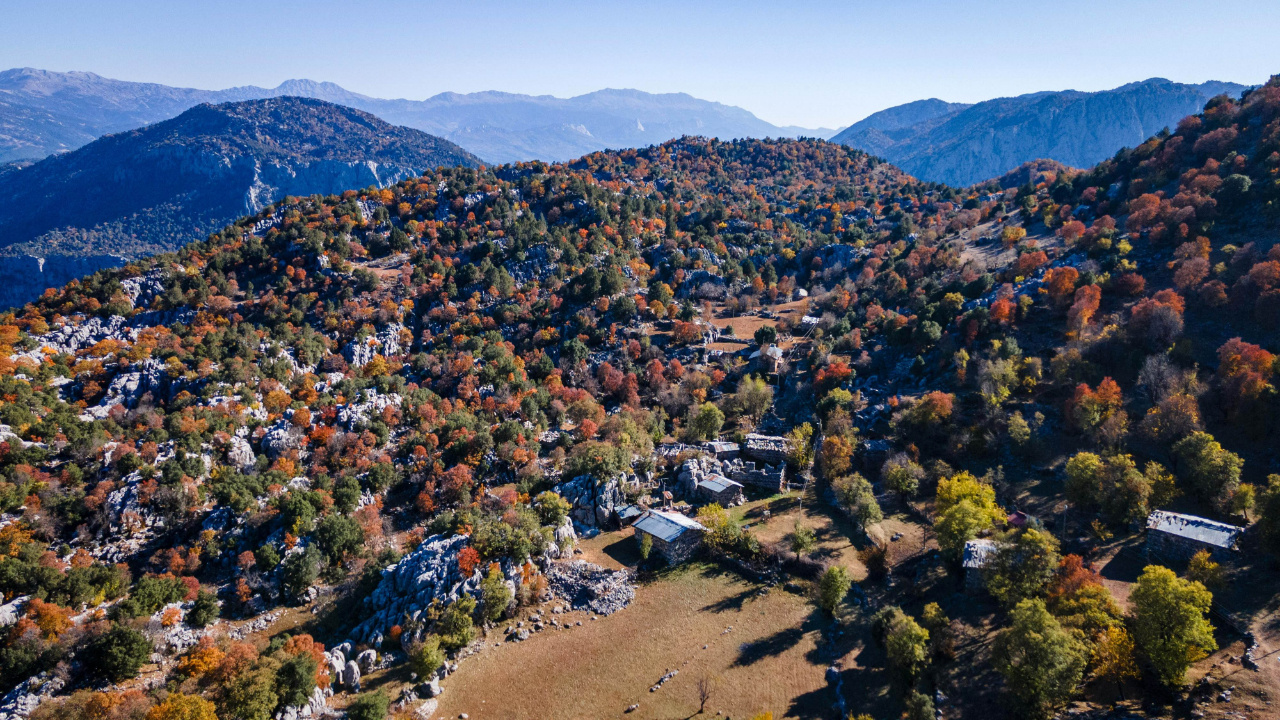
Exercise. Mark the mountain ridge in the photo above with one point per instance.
(963, 145)
(43, 112)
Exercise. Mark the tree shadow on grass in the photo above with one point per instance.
(775, 644)
(732, 602)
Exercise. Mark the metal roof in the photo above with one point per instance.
(1209, 532)
(627, 511)
(718, 483)
(977, 553)
(666, 526)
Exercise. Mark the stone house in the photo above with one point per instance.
(1176, 537)
(675, 537)
(977, 555)
(720, 489)
(771, 449)
(770, 477)
(767, 359)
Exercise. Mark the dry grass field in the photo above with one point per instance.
(756, 645)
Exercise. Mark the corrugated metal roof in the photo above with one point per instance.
(1210, 532)
(666, 526)
(627, 511)
(977, 553)
(718, 483)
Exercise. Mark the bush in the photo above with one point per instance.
(204, 611)
(369, 706)
(296, 679)
(116, 654)
(426, 657)
(495, 595)
(299, 570)
(455, 625)
(832, 588)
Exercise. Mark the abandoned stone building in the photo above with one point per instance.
(1176, 537)
(769, 477)
(767, 448)
(675, 537)
(977, 555)
(719, 489)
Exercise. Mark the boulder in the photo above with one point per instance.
(351, 676)
(367, 660)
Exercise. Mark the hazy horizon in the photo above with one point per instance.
(824, 64)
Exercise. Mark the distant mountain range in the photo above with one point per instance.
(43, 112)
(963, 144)
(161, 186)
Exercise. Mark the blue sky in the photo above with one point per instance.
(812, 63)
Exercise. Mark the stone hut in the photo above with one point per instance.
(767, 359)
(675, 537)
(1176, 537)
(769, 477)
(720, 489)
(977, 555)
(771, 449)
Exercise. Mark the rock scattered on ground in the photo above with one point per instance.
(586, 586)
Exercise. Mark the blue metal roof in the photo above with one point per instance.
(1200, 529)
(718, 483)
(666, 526)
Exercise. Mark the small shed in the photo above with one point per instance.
(675, 537)
(720, 489)
(977, 555)
(1175, 536)
(627, 514)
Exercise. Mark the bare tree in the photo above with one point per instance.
(705, 687)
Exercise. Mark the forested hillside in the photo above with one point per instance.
(159, 187)
(403, 409)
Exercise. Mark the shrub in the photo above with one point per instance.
(426, 656)
(369, 706)
(116, 654)
(495, 595)
(832, 588)
(204, 611)
(296, 679)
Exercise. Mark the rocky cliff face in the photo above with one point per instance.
(961, 145)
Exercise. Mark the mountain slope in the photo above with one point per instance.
(43, 112)
(156, 188)
(963, 144)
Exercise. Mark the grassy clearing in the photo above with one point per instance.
(681, 621)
